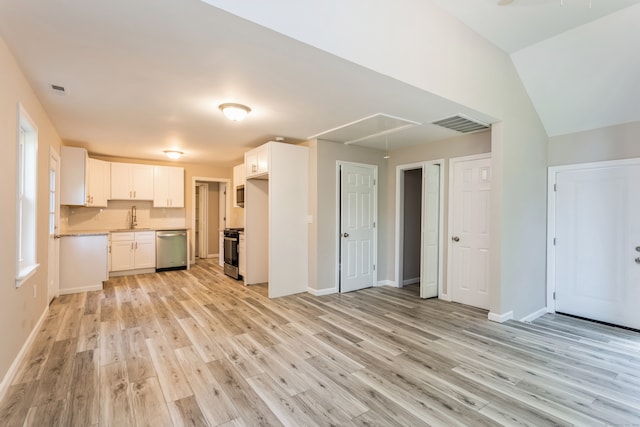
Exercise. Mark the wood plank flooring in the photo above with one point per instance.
(195, 348)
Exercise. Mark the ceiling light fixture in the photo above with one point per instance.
(234, 112)
(173, 154)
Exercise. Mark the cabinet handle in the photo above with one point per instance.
(254, 168)
(136, 246)
(134, 194)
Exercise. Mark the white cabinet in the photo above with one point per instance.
(242, 254)
(132, 250)
(99, 183)
(276, 225)
(83, 181)
(83, 262)
(130, 181)
(73, 176)
(238, 185)
(256, 162)
(168, 187)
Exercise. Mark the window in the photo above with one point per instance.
(26, 190)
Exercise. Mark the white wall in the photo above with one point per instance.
(19, 309)
(416, 42)
(608, 143)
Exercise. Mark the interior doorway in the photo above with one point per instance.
(419, 247)
(53, 274)
(210, 211)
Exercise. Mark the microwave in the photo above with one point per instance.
(240, 196)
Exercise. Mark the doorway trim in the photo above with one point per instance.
(551, 217)
(452, 162)
(339, 164)
(194, 181)
(399, 241)
(53, 274)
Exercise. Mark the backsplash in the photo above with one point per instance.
(118, 216)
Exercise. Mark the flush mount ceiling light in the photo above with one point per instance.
(173, 154)
(235, 112)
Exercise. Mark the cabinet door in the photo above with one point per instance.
(122, 255)
(176, 187)
(238, 180)
(251, 163)
(145, 249)
(142, 182)
(99, 183)
(160, 187)
(120, 181)
(73, 176)
(263, 159)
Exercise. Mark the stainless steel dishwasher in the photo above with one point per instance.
(171, 250)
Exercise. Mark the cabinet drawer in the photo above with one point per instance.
(122, 236)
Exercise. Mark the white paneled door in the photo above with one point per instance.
(53, 275)
(357, 226)
(470, 219)
(430, 233)
(597, 247)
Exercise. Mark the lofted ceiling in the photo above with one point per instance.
(145, 76)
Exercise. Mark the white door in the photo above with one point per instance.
(470, 217)
(53, 275)
(598, 244)
(430, 233)
(357, 226)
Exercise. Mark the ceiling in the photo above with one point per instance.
(146, 76)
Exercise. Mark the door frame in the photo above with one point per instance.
(399, 238)
(339, 164)
(227, 211)
(551, 216)
(53, 283)
(201, 207)
(452, 162)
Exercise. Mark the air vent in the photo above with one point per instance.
(60, 90)
(461, 123)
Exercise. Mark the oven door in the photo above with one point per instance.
(231, 251)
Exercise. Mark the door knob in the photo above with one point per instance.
(455, 238)
(345, 235)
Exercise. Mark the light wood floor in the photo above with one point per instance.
(197, 348)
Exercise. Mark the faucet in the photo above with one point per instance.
(133, 217)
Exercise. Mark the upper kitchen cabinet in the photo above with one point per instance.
(130, 181)
(99, 189)
(168, 187)
(238, 186)
(83, 181)
(256, 162)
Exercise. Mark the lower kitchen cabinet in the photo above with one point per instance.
(83, 262)
(132, 250)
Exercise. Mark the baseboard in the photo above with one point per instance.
(213, 256)
(411, 281)
(13, 369)
(321, 292)
(533, 316)
(81, 289)
(387, 283)
(500, 318)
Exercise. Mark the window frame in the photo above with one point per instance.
(26, 197)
